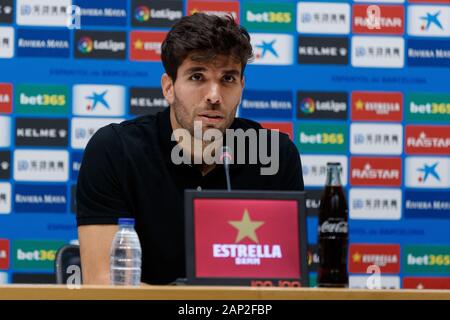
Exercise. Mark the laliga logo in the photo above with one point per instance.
(247, 254)
(85, 45)
(142, 13)
(307, 105)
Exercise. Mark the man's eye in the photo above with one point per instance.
(229, 78)
(196, 77)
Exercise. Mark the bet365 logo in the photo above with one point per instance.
(35, 254)
(331, 138)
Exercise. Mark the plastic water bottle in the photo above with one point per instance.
(125, 259)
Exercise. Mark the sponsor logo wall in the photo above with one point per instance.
(361, 82)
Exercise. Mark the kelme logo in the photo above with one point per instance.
(330, 138)
(426, 259)
(269, 16)
(41, 99)
(428, 107)
(35, 254)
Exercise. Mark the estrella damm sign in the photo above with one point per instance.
(41, 99)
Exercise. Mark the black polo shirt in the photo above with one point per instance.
(127, 172)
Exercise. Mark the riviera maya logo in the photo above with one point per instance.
(307, 105)
(85, 45)
(142, 13)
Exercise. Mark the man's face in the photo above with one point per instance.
(208, 91)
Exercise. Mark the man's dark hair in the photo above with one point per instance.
(205, 36)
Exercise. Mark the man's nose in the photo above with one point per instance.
(213, 95)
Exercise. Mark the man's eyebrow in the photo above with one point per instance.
(233, 72)
(194, 69)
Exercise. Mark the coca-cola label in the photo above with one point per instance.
(334, 227)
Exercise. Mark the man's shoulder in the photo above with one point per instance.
(129, 132)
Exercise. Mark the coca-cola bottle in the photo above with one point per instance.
(333, 232)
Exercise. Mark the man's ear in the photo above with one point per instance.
(243, 82)
(167, 88)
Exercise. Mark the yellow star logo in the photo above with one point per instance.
(246, 227)
(138, 44)
(359, 105)
(356, 257)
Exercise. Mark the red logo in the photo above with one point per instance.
(246, 238)
(285, 127)
(426, 283)
(5, 98)
(378, 19)
(375, 171)
(377, 106)
(219, 8)
(428, 140)
(385, 256)
(146, 45)
(4, 254)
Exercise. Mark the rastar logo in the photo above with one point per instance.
(426, 259)
(246, 238)
(427, 140)
(375, 171)
(385, 256)
(377, 106)
(378, 19)
(220, 8)
(146, 45)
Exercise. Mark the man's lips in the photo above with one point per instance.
(211, 117)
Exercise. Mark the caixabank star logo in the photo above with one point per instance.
(246, 238)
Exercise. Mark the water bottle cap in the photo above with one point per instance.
(126, 222)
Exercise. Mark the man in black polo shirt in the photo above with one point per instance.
(129, 169)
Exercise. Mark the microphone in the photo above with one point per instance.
(226, 157)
